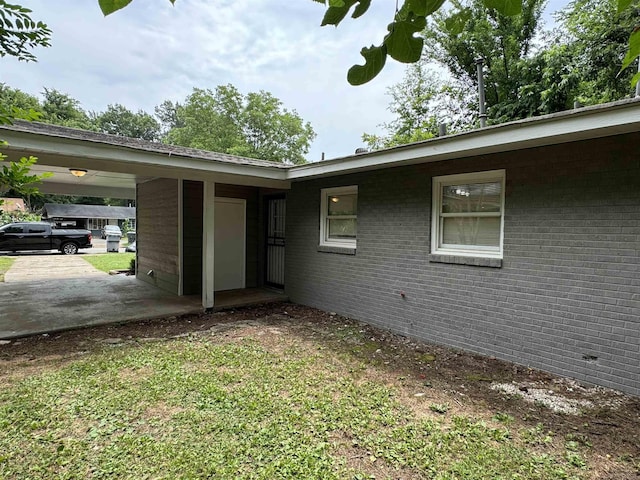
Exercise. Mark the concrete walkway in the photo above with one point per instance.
(51, 305)
(50, 266)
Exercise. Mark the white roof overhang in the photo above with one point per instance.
(115, 165)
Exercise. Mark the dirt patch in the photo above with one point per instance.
(427, 377)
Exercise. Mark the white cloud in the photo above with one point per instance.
(152, 51)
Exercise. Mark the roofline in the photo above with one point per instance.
(573, 125)
(585, 123)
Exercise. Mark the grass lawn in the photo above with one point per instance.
(110, 261)
(5, 264)
(257, 399)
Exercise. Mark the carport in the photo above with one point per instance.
(202, 217)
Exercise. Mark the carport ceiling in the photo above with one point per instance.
(95, 183)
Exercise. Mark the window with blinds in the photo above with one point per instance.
(468, 213)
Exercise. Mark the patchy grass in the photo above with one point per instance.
(110, 261)
(5, 265)
(257, 401)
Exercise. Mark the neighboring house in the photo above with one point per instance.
(519, 241)
(10, 205)
(90, 217)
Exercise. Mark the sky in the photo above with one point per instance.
(152, 51)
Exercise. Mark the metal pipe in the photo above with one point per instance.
(442, 129)
(638, 84)
(483, 108)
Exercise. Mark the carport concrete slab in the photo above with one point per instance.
(51, 305)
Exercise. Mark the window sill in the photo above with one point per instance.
(461, 260)
(338, 250)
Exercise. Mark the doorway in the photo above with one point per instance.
(276, 210)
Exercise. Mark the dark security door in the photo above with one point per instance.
(276, 209)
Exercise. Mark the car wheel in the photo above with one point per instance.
(69, 249)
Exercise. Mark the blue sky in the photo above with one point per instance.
(152, 51)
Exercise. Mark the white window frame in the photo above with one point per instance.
(325, 193)
(437, 247)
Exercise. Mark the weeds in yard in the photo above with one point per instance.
(5, 265)
(235, 408)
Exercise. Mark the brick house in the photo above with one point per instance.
(520, 241)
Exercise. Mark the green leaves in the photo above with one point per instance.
(505, 7)
(422, 8)
(401, 43)
(110, 6)
(623, 4)
(456, 22)
(634, 49)
(375, 58)
(339, 9)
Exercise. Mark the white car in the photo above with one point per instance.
(111, 230)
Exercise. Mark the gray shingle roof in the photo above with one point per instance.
(62, 210)
(134, 143)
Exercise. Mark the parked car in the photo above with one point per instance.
(41, 236)
(111, 230)
(131, 247)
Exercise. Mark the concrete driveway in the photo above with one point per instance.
(51, 305)
(50, 266)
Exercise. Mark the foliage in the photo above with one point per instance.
(61, 109)
(15, 104)
(119, 120)
(16, 177)
(255, 125)
(420, 103)
(110, 261)
(503, 42)
(228, 406)
(19, 33)
(10, 217)
(5, 263)
(401, 42)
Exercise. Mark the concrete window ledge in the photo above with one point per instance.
(338, 250)
(473, 261)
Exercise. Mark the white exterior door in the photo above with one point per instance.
(229, 243)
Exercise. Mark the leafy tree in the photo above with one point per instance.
(504, 42)
(119, 120)
(255, 125)
(420, 103)
(595, 35)
(167, 113)
(61, 109)
(17, 104)
(16, 178)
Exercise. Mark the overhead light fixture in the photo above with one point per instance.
(78, 172)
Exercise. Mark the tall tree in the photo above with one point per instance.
(119, 120)
(420, 103)
(62, 109)
(503, 42)
(255, 125)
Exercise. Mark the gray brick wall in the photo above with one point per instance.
(567, 297)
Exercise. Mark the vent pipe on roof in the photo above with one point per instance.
(442, 129)
(483, 108)
(638, 84)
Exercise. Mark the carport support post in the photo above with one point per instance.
(208, 236)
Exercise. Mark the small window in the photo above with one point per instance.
(339, 217)
(468, 213)
(36, 229)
